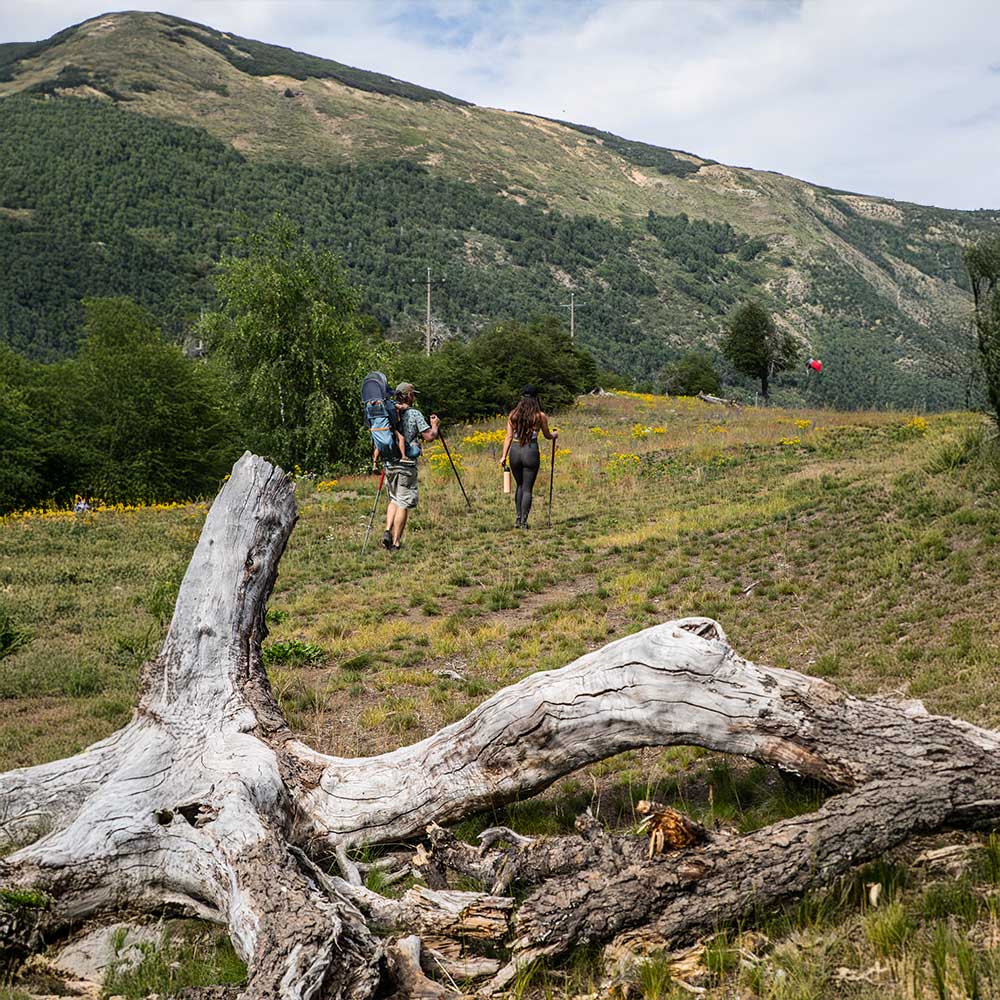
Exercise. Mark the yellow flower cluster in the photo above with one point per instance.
(83, 509)
(918, 424)
(718, 429)
(600, 432)
(687, 402)
(803, 425)
(326, 484)
(659, 430)
(438, 461)
(646, 397)
(622, 464)
(482, 439)
(791, 441)
(561, 452)
(639, 432)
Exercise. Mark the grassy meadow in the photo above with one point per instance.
(861, 547)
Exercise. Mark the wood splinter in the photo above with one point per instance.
(669, 830)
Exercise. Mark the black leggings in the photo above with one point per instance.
(524, 461)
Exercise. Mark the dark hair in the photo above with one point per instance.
(524, 418)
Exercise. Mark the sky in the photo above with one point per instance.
(899, 98)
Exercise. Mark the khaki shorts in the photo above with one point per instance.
(401, 482)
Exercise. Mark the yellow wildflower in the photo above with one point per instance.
(622, 464)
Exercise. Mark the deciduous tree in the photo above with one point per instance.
(151, 424)
(982, 261)
(292, 336)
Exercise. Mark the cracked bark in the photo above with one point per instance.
(206, 804)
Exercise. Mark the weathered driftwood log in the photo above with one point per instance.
(206, 804)
(717, 400)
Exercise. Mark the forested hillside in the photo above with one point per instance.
(144, 208)
(108, 187)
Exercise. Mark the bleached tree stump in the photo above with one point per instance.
(205, 804)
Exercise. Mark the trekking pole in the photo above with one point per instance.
(552, 476)
(453, 469)
(371, 520)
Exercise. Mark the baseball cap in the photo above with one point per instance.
(529, 390)
(405, 388)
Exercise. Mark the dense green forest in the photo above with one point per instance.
(99, 201)
(145, 208)
(130, 418)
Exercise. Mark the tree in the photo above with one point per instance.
(22, 481)
(485, 375)
(205, 804)
(691, 374)
(151, 424)
(982, 261)
(296, 346)
(756, 347)
(130, 419)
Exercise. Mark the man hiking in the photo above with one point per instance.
(401, 475)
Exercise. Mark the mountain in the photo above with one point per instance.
(138, 145)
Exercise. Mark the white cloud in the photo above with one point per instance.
(892, 97)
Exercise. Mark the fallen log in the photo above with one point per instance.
(717, 400)
(205, 803)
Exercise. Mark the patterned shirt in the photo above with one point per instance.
(413, 424)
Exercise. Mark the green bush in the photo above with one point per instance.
(13, 634)
(484, 376)
(293, 652)
(691, 374)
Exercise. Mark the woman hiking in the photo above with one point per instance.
(520, 448)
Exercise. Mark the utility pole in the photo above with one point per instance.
(427, 341)
(572, 306)
(427, 332)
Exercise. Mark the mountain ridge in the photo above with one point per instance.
(898, 261)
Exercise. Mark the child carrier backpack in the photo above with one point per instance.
(381, 417)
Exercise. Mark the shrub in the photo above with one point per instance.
(691, 374)
(484, 376)
(13, 634)
(293, 652)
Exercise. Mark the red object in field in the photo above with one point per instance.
(815, 364)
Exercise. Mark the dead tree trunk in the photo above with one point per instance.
(205, 803)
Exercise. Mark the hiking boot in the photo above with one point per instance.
(387, 538)
(395, 547)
